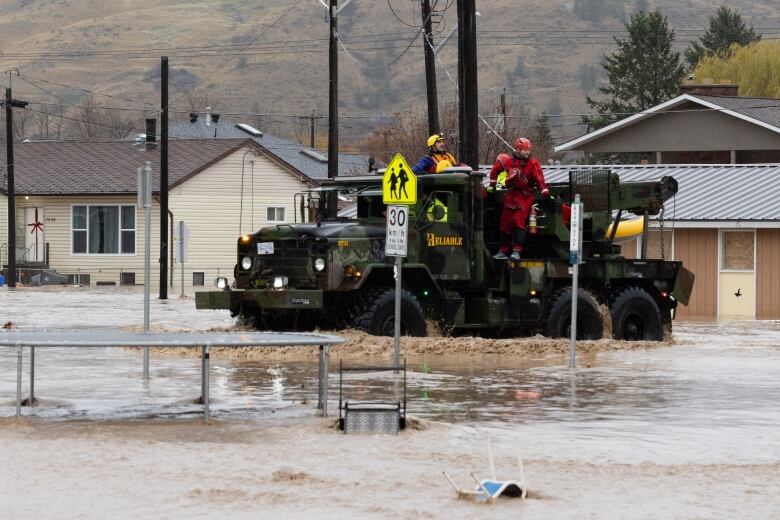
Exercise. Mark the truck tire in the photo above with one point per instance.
(590, 324)
(636, 316)
(375, 314)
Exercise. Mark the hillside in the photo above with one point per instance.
(114, 48)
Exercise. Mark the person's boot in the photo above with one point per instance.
(503, 250)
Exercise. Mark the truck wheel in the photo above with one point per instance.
(636, 316)
(376, 314)
(590, 324)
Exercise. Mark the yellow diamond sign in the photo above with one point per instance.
(399, 184)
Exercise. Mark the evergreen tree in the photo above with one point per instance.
(726, 28)
(642, 73)
(541, 136)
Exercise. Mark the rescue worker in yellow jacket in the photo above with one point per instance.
(437, 159)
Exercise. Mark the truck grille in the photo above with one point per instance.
(292, 262)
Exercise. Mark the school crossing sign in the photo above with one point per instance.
(399, 184)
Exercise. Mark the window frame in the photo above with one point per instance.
(120, 229)
(276, 208)
(722, 250)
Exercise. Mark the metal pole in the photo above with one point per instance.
(206, 387)
(319, 387)
(164, 178)
(333, 109)
(397, 355)
(9, 154)
(32, 377)
(325, 382)
(430, 70)
(575, 290)
(18, 381)
(147, 252)
(182, 278)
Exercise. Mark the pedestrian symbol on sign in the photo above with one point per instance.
(399, 185)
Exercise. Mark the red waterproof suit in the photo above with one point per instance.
(523, 175)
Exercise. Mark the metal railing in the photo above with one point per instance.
(3, 254)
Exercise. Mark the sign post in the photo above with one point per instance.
(183, 233)
(399, 190)
(145, 201)
(575, 257)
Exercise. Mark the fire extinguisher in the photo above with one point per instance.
(532, 221)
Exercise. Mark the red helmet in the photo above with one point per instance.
(521, 143)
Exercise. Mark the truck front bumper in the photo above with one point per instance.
(263, 298)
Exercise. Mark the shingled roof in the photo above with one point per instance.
(312, 163)
(71, 168)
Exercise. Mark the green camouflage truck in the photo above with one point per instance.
(333, 272)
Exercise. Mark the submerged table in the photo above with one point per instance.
(205, 340)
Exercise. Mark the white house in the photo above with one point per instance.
(76, 205)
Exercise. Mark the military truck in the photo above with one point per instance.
(332, 272)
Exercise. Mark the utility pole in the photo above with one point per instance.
(430, 70)
(333, 108)
(164, 178)
(467, 83)
(11, 103)
(312, 125)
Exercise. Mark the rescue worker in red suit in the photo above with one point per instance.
(524, 174)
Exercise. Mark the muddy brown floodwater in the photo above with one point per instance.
(686, 429)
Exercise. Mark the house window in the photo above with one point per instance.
(276, 215)
(103, 230)
(737, 250)
(198, 278)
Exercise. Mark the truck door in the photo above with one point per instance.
(442, 234)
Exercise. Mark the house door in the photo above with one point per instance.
(737, 298)
(33, 236)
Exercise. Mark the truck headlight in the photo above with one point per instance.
(319, 264)
(280, 282)
(246, 263)
(221, 283)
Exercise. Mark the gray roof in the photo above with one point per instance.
(729, 192)
(75, 167)
(762, 109)
(312, 163)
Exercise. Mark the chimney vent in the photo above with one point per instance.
(208, 116)
(193, 117)
(215, 118)
(151, 131)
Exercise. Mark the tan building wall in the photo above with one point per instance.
(768, 274)
(101, 268)
(698, 250)
(210, 204)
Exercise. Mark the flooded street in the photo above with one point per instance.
(701, 411)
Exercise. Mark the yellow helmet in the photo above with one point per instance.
(432, 139)
(443, 165)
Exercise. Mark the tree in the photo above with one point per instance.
(542, 139)
(93, 122)
(755, 68)
(726, 28)
(589, 77)
(642, 73)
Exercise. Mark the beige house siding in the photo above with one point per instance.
(101, 268)
(210, 204)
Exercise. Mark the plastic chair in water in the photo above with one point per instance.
(492, 488)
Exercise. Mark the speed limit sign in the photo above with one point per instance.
(397, 230)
